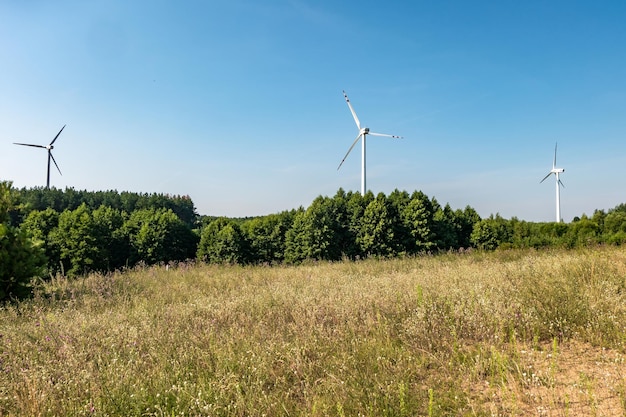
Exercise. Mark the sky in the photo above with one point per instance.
(239, 104)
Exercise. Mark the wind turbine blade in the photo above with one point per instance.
(28, 144)
(55, 138)
(347, 153)
(554, 163)
(356, 119)
(55, 162)
(561, 182)
(385, 135)
(544, 178)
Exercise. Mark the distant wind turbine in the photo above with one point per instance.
(556, 171)
(363, 132)
(49, 148)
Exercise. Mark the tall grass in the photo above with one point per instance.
(504, 333)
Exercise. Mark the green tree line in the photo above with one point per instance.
(603, 227)
(41, 198)
(346, 226)
(45, 232)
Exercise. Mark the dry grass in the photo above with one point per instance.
(506, 333)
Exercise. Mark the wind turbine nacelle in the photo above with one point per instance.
(365, 130)
(558, 170)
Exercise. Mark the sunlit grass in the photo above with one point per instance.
(504, 333)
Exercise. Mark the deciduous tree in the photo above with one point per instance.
(222, 241)
(76, 242)
(158, 235)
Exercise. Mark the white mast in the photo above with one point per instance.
(556, 171)
(363, 185)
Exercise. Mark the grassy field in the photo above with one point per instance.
(510, 333)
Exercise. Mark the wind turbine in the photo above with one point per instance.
(49, 148)
(363, 132)
(556, 171)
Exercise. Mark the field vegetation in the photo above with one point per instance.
(521, 332)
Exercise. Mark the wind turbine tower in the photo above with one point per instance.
(556, 171)
(49, 148)
(363, 132)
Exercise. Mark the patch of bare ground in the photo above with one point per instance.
(568, 380)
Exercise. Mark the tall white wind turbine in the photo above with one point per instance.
(556, 171)
(49, 148)
(363, 132)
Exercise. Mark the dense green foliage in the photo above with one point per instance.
(21, 258)
(158, 235)
(41, 198)
(223, 241)
(266, 236)
(82, 231)
(352, 226)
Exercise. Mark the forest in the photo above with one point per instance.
(45, 232)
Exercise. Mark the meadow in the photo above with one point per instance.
(504, 333)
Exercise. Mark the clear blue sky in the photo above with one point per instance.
(238, 103)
